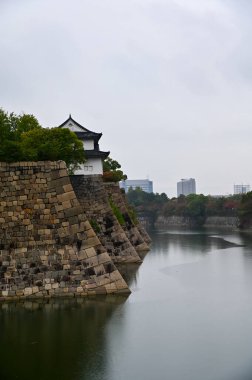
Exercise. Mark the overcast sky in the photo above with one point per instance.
(167, 82)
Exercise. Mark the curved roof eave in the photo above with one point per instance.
(96, 154)
(80, 126)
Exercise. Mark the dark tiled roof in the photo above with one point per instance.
(86, 133)
(96, 154)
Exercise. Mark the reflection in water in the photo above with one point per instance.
(55, 340)
(129, 272)
(188, 318)
(197, 242)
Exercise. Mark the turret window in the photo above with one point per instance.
(88, 168)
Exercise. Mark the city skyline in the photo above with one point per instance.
(241, 189)
(236, 188)
(168, 83)
(144, 184)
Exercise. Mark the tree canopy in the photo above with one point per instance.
(146, 203)
(111, 171)
(194, 206)
(245, 210)
(23, 139)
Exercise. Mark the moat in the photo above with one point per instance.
(188, 318)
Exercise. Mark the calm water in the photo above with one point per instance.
(188, 318)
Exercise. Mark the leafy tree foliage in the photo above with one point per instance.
(197, 207)
(245, 210)
(12, 126)
(112, 172)
(23, 139)
(149, 204)
(223, 206)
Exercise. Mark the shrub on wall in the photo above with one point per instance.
(117, 212)
(112, 172)
(95, 225)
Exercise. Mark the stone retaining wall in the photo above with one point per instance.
(222, 221)
(136, 233)
(211, 221)
(180, 221)
(93, 197)
(47, 246)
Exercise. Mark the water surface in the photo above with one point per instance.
(188, 318)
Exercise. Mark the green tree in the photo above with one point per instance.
(23, 139)
(148, 204)
(24, 123)
(12, 125)
(111, 171)
(5, 126)
(196, 208)
(9, 148)
(245, 210)
(53, 144)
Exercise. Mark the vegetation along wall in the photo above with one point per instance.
(91, 193)
(135, 232)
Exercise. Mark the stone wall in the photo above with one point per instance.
(166, 221)
(136, 233)
(144, 234)
(211, 221)
(91, 193)
(47, 246)
(222, 221)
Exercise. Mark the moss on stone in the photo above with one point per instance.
(117, 212)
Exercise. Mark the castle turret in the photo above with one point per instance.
(94, 156)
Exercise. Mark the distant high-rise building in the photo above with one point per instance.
(186, 186)
(144, 184)
(241, 189)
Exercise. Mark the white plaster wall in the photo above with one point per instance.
(88, 144)
(73, 127)
(91, 166)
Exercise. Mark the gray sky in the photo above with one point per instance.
(168, 82)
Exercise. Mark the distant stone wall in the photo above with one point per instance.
(211, 221)
(93, 197)
(222, 221)
(163, 221)
(136, 233)
(47, 246)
